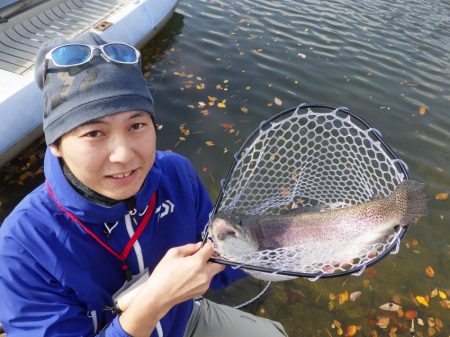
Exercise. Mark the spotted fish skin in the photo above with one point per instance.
(359, 225)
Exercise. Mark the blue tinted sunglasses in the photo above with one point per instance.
(74, 54)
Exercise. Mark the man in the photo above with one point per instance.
(112, 210)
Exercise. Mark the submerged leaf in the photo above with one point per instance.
(430, 272)
(350, 330)
(355, 295)
(383, 322)
(410, 314)
(422, 110)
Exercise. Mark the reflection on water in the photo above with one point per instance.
(220, 67)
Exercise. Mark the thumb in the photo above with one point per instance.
(186, 250)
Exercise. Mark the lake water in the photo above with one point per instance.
(386, 61)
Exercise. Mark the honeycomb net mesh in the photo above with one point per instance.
(309, 158)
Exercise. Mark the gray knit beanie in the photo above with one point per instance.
(76, 95)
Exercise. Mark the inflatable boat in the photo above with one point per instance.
(26, 24)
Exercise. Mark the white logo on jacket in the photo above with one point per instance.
(165, 208)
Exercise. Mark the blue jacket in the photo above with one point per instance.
(56, 280)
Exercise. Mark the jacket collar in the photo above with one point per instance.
(88, 211)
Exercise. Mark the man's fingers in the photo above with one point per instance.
(206, 251)
(186, 250)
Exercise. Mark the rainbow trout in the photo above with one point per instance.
(353, 227)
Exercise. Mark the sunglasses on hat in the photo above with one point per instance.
(75, 54)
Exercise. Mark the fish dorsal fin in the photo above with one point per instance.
(320, 207)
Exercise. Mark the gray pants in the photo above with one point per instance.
(209, 319)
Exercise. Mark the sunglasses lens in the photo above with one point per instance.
(71, 55)
(121, 53)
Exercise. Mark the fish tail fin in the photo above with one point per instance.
(411, 201)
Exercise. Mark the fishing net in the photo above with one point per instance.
(310, 156)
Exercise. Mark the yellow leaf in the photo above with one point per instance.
(222, 104)
(422, 300)
(278, 101)
(343, 297)
(200, 86)
(442, 295)
(209, 143)
(441, 196)
(244, 109)
(212, 98)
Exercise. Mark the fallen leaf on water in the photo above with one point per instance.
(25, 175)
(204, 169)
(331, 305)
(422, 110)
(369, 73)
(343, 297)
(209, 143)
(244, 109)
(420, 321)
(410, 314)
(370, 273)
(393, 332)
(355, 295)
(350, 330)
(390, 306)
(278, 101)
(212, 98)
(227, 126)
(222, 104)
(430, 272)
(200, 86)
(441, 196)
(439, 324)
(383, 322)
(337, 325)
(442, 294)
(204, 112)
(423, 300)
(201, 104)
(396, 299)
(445, 304)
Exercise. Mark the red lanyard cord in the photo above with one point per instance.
(122, 256)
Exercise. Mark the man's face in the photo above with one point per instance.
(111, 155)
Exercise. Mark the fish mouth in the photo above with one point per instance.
(221, 229)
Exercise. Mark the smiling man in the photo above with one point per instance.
(96, 226)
